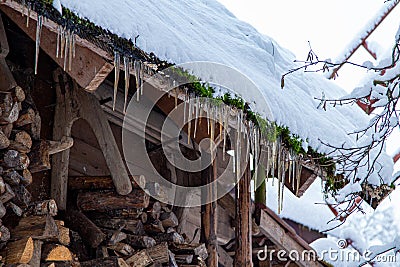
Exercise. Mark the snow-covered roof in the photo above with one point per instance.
(182, 31)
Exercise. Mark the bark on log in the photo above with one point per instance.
(123, 249)
(140, 259)
(154, 227)
(22, 196)
(5, 234)
(155, 211)
(18, 94)
(4, 141)
(7, 129)
(3, 210)
(105, 262)
(20, 251)
(38, 227)
(32, 125)
(26, 178)
(9, 108)
(16, 160)
(17, 210)
(37, 253)
(22, 137)
(27, 117)
(85, 227)
(173, 237)
(40, 157)
(63, 233)
(140, 241)
(7, 195)
(101, 201)
(12, 177)
(101, 182)
(132, 226)
(56, 252)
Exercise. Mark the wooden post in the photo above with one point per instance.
(243, 253)
(208, 216)
(7, 81)
(261, 193)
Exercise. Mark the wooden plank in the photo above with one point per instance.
(7, 81)
(90, 67)
(283, 238)
(223, 257)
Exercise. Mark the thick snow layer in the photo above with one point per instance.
(182, 31)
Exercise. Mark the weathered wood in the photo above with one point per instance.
(5, 234)
(22, 196)
(199, 250)
(100, 201)
(243, 252)
(6, 78)
(116, 237)
(140, 259)
(101, 182)
(122, 249)
(59, 146)
(7, 195)
(169, 237)
(85, 227)
(7, 129)
(208, 216)
(12, 177)
(22, 138)
(4, 141)
(223, 258)
(31, 122)
(37, 253)
(184, 259)
(89, 66)
(56, 252)
(39, 156)
(140, 241)
(18, 94)
(129, 225)
(2, 186)
(63, 233)
(105, 262)
(15, 208)
(153, 227)
(38, 227)
(9, 108)
(3, 210)
(20, 251)
(26, 178)
(155, 210)
(159, 253)
(26, 117)
(169, 219)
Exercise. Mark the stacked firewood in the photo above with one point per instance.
(132, 230)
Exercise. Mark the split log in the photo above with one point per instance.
(155, 211)
(4, 141)
(130, 225)
(159, 253)
(38, 227)
(140, 241)
(20, 251)
(60, 264)
(3, 210)
(22, 138)
(2, 186)
(40, 157)
(4, 234)
(59, 146)
(7, 195)
(169, 219)
(12, 177)
(123, 249)
(18, 94)
(7, 129)
(140, 259)
(16, 160)
(85, 227)
(43, 207)
(37, 253)
(100, 201)
(27, 117)
(154, 227)
(17, 210)
(63, 233)
(56, 252)
(184, 259)
(173, 237)
(190, 249)
(105, 262)
(117, 213)
(33, 127)
(9, 108)
(102, 182)
(22, 196)
(116, 237)
(26, 178)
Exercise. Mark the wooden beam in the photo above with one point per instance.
(90, 65)
(285, 238)
(243, 253)
(7, 81)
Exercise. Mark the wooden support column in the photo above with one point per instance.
(74, 103)
(7, 81)
(243, 253)
(209, 216)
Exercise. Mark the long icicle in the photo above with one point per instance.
(189, 119)
(66, 49)
(70, 51)
(117, 64)
(141, 76)
(38, 35)
(127, 76)
(28, 15)
(62, 42)
(136, 70)
(58, 40)
(196, 116)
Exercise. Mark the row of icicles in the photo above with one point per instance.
(276, 160)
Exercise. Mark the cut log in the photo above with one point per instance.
(123, 249)
(7, 129)
(18, 94)
(40, 157)
(190, 249)
(130, 225)
(116, 237)
(169, 219)
(33, 127)
(12, 177)
(100, 201)
(102, 182)
(4, 141)
(38, 227)
(22, 196)
(140, 241)
(5, 234)
(26, 178)
(159, 253)
(37, 253)
(2, 186)
(154, 227)
(56, 252)
(9, 108)
(22, 137)
(59, 146)
(43, 207)
(7, 195)
(117, 213)
(20, 251)
(184, 259)
(173, 237)
(89, 232)
(155, 211)
(27, 117)
(140, 259)
(17, 210)
(105, 262)
(2, 210)
(63, 233)
(16, 160)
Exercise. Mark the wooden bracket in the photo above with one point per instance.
(74, 103)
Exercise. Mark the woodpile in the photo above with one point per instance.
(132, 230)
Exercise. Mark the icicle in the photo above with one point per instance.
(238, 148)
(28, 15)
(127, 76)
(197, 106)
(66, 48)
(70, 51)
(117, 64)
(38, 34)
(212, 129)
(290, 165)
(73, 45)
(58, 40)
(184, 106)
(226, 121)
(142, 78)
(273, 158)
(298, 175)
(208, 116)
(62, 42)
(136, 70)
(201, 107)
(176, 97)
